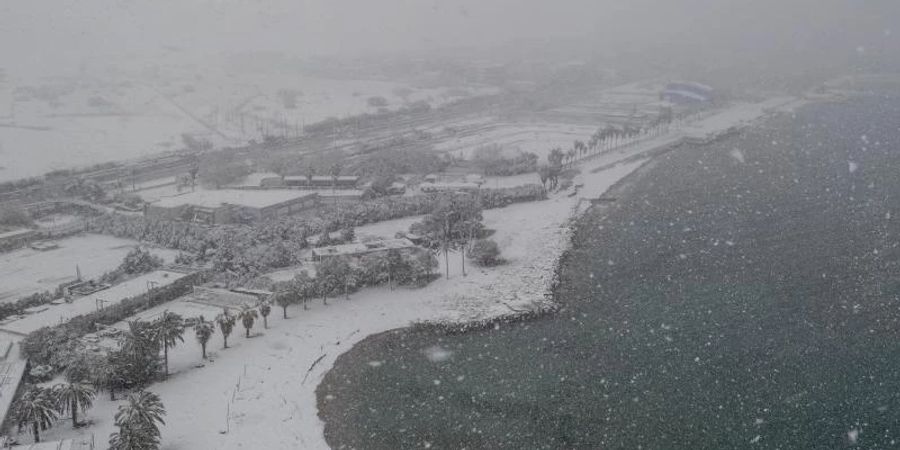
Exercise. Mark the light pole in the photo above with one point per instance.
(150, 285)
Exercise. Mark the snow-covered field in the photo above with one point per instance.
(527, 137)
(79, 121)
(26, 271)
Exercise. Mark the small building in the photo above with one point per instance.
(333, 196)
(260, 294)
(448, 187)
(233, 205)
(316, 182)
(221, 298)
(362, 248)
(687, 93)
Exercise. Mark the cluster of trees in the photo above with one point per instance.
(58, 346)
(247, 250)
(455, 222)
(492, 162)
(334, 125)
(137, 420)
(485, 253)
(227, 321)
(14, 216)
(137, 261)
(392, 162)
(133, 365)
(39, 407)
(221, 169)
(342, 275)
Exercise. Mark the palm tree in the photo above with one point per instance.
(138, 421)
(351, 278)
(204, 331)
(36, 408)
(264, 309)
(310, 173)
(284, 299)
(169, 330)
(336, 169)
(555, 157)
(71, 397)
(302, 289)
(226, 325)
(248, 316)
(104, 376)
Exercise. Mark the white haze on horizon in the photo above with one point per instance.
(46, 34)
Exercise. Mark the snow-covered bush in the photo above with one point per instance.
(485, 253)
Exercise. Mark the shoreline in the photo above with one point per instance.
(647, 159)
(467, 348)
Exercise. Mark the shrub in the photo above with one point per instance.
(15, 217)
(41, 373)
(485, 253)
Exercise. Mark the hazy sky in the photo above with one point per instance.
(41, 30)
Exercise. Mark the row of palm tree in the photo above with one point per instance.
(138, 420)
(609, 138)
(39, 407)
(226, 321)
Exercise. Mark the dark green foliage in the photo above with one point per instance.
(73, 397)
(226, 325)
(137, 261)
(14, 216)
(36, 409)
(168, 330)
(204, 330)
(221, 169)
(491, 160)
(138, 422)
(485, 253)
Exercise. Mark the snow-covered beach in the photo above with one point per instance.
(261, 391)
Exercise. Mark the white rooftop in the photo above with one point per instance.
(365, 247)
(255, 179)
(18, 232)
(250, 198)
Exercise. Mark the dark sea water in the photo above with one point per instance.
(744, 294)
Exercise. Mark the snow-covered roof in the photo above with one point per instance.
(362, 248)
(240, 197)
(339, 192)
(15, 233)
(255, 179)
(323, 178)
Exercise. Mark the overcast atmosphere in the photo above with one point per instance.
(87, 28)
(449, 224)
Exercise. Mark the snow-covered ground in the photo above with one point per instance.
(26, 271)
(65, 123)
(538, 138)
(259, 390)
(260, 393)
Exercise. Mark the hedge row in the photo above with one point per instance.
(48, 345)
